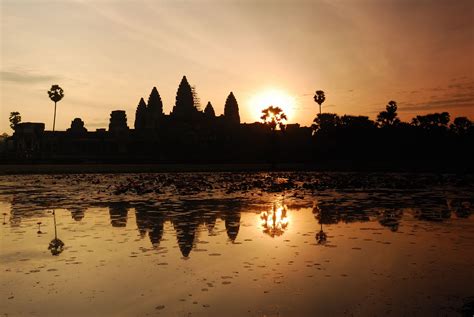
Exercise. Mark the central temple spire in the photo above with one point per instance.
(184, 107)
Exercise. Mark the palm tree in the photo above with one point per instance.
(56, 93)
(15, 119)
(389, 118)
(319, 98)
(274, 117)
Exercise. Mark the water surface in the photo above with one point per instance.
(249, 244)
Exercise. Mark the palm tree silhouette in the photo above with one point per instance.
(319, 98)
(56, 93)
(56, 246)
(274, 117)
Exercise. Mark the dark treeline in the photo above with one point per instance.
(427, 141)
(191, 135)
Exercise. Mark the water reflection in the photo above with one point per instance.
(232, 224)
(388, 208)
(77, 212)
(150, 222)
(275, 221)
(391, 218)
(56, 246)
(185, 225)
(138, 239)
(118, 214)
(321, 236)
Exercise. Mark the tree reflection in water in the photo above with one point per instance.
(56, 246)
(321, 236)
(275, 221)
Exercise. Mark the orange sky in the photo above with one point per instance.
(108, 54)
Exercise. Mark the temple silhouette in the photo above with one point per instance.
(187, 134)
(191, 135)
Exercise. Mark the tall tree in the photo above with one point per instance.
(140, 115)
(432, 121)
(209, 110)
(461, 125)
(274, 117)
(231, 109)
(326, 122)
(319, 98)
(14, 119)
(388, 117)
(184, 106)
(56, 93)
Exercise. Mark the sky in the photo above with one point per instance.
(107, 54)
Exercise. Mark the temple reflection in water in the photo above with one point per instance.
(188, 217)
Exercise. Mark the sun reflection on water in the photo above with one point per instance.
(275, 221)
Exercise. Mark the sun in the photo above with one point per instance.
(272, 97)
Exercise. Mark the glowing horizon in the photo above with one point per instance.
(106, 55)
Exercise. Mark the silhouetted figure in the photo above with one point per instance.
(141, 115)
(56, 93)
(388, 117)
(231, 109)
(118, 121)
(209, 111)
(77, 126)
(184, 106)
(154, 110)
(56, 246)
(319, 98)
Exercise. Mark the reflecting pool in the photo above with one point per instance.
(237, 244)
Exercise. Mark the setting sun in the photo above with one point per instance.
(272, 97)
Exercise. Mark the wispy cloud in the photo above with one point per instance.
(456, 95)
(442, 104)
(25, 77)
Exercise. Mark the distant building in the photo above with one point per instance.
(187, 134)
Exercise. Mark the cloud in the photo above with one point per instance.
(24, 77)
(443, 104)
(456, 95)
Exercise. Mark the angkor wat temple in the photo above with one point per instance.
(187, 134)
